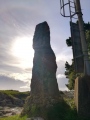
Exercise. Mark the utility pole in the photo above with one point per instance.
(80, 53)
(83, 38)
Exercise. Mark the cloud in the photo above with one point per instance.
(7, 83)
(19, 18)
(24, 87)
(61, 83)
(27, 86)
(25, 77)
(28, 70)
(61, 79)
(60, 76)
(65, 55)
(5, 68)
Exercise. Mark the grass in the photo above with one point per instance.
(71, 113)
(65, 110)
(15, 117)
(15, 93)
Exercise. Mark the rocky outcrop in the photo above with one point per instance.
(43, 82)
(35, 118)
(9, 111)
(6, 100)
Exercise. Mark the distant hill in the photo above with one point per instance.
(12, 98)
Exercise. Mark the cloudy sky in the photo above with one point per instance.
(18, 19)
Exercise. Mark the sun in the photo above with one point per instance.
(23, 51)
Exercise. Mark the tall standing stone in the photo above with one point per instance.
(44, 95)
(43, 82)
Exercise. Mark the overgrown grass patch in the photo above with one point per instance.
(63, 110)
(15, 93)
(71, 113)
(15, 117)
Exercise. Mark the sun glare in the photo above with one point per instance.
(22, 49)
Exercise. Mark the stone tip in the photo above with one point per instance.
(41, 37)
(43, 24)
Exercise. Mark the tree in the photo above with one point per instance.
(70, 71)
(70, 74)
(69, 42)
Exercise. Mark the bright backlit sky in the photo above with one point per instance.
(18, 19)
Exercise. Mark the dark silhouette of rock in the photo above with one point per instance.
(43, 82)
(44, 88)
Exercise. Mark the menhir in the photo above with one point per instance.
(43, 82)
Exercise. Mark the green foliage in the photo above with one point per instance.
(87, 26)
(15, 93)
(69, 68)
(35, 110)
(15, 117)
(70, 102)
(69, 42)
(71, 81)
(64, 110)
(70, 74)
(58, 111)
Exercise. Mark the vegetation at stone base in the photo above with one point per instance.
(12, 98)
(15, 117)
(63, 110)
(15, 93)
(70, 71)
(71, 75)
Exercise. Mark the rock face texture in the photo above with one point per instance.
(44, 88)
(6, 100)
(43, 82)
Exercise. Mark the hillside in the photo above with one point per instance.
(12, 98)
(65, 110)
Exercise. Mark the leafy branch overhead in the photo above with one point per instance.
(69, 42)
